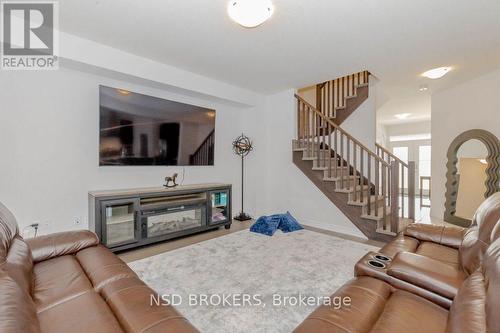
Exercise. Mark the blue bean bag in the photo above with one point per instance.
(267, 225)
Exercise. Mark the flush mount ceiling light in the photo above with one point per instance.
(402, 115)
(250, 13)
(423, 88)
(436, 73)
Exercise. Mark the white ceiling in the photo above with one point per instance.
(305, 42)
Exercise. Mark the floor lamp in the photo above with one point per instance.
(242, 146)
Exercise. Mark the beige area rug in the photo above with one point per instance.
(240, 282)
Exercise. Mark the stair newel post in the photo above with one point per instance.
(369, 165)
(394, 196)
(411, 190)
(329, 150)
(342, 160)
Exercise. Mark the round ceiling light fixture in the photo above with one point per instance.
(250, 13)
(436, 73)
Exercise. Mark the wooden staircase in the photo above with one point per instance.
(368, 188)
(338, 99)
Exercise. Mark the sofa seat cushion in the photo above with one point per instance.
(442, 253)
(137, 312)
(376, 307)
(84, 313)
(58, 280)
(408, 313)
(400, 244)
(368, 297)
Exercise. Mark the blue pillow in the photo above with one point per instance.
(289, 223)
(266, 225)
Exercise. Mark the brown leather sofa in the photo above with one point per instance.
(436, 279)
(376, 306)
(67, 282)
(440, 257)
(453, 245)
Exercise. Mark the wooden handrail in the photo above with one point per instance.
(394, 157)
(337, 127)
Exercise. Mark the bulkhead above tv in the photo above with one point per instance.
(137, 129)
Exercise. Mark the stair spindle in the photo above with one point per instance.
(362, 162)
(369, 183)
(355, 169)
(402, 191)
(342, 160)
(348, 163)
(329, 150)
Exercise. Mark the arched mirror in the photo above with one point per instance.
(473, 174)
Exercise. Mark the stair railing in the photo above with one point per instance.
(331, 95)
(204, 155)
(354, 166)
(406, 175)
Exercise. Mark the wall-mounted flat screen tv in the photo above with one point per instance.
(137, 129)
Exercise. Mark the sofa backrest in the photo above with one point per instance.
(478, 237)
(15, 256)
(475, 308)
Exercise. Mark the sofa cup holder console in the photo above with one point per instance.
(382, 258)
(376, 264)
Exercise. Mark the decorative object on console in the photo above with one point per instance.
(267, 225)
(242, 146)
(171, 181)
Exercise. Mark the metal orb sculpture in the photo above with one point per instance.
(242, 146)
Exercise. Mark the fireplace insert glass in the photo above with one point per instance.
(173, 220)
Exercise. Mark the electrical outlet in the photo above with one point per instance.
(77, 221)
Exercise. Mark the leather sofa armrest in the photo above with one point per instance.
(445, 235)
(60, 244)
(427, 273)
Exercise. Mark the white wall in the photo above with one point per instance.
(49, 132)
(419, 127)
(471, 105)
